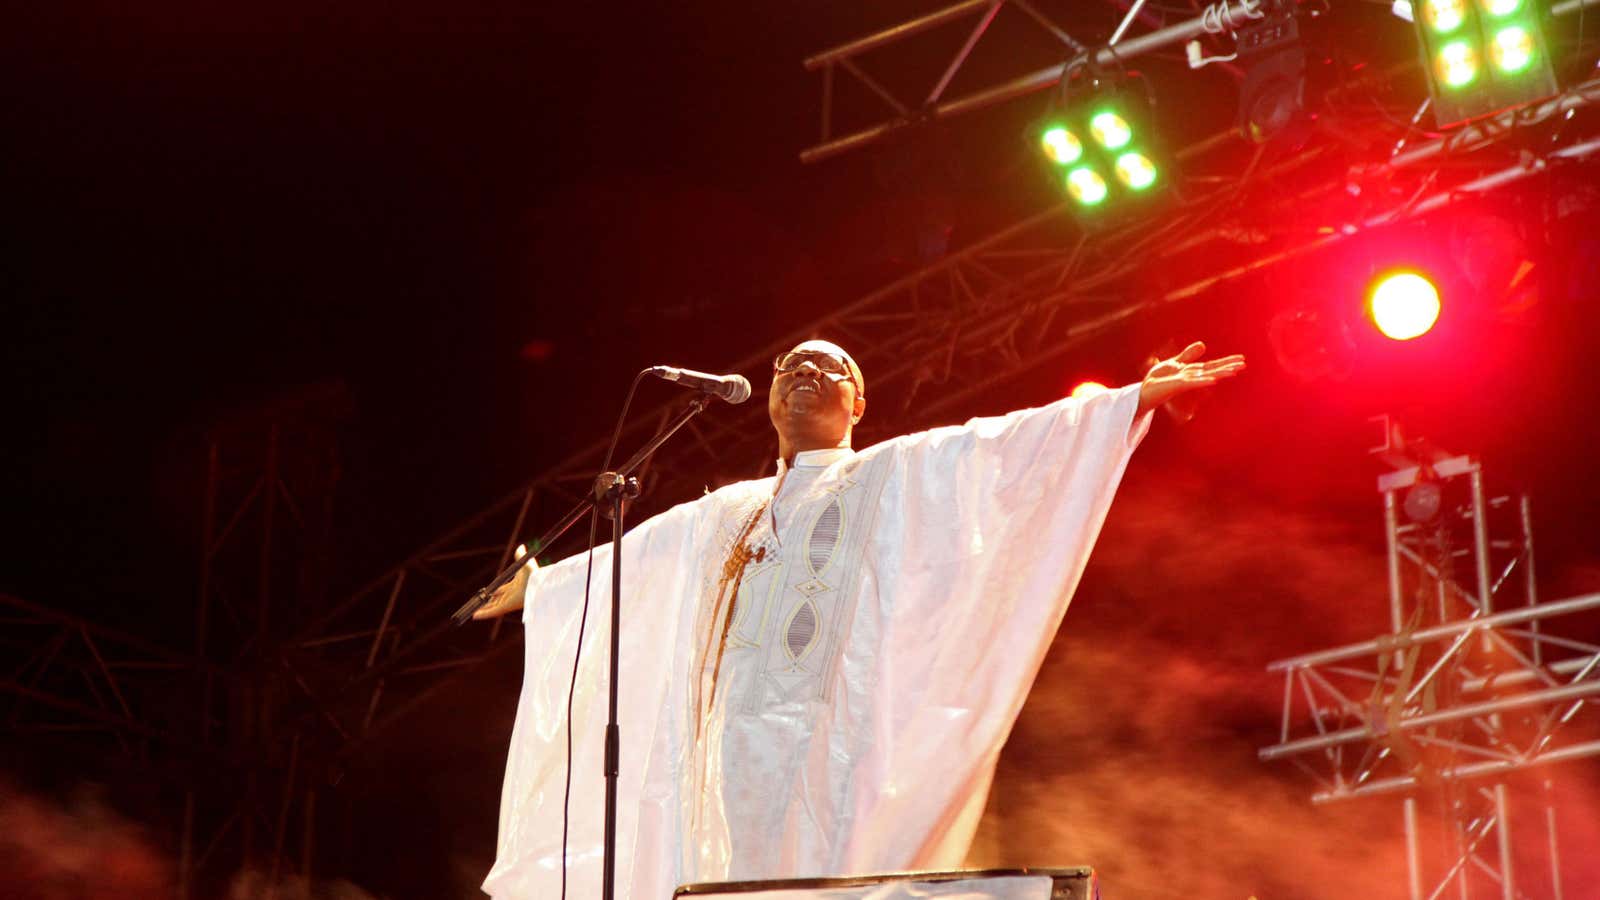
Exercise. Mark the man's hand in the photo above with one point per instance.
(508, 596)
(1175, 377)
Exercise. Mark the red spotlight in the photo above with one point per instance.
(1088, 389)
(1404, 305)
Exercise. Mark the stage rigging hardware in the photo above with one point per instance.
(1471, 685)
(1016, 300)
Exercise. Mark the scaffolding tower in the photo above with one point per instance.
(1469, 687)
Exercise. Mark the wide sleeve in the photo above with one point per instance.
(657, 563)
(989, 526)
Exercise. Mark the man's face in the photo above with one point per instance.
(815, 397)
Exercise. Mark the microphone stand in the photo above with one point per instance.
(616, 488)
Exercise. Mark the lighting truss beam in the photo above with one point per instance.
(906, 117)
(98, 676)
(1485, 769)
(1439, 633)
(1495, 128)
(935, 106)
(1575, 691)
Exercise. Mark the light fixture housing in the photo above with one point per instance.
(1482, 56)
(1101, 149)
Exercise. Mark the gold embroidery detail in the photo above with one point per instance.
(727, 591)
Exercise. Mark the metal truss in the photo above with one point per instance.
(68, 675)
(203, 725)
(935, 105)
(901, 115)
(1468, 686)
(110, 697)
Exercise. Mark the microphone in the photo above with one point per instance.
(732, 388)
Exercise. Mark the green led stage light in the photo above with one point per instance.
(1086, 186)
(1136, 171)
(1100, 148)
(1482, 56)
(1111, 130)
(1061, 146)
(1444, 16)
(1456, 66)
(1512, 50)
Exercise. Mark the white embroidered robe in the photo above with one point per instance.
(846, 718)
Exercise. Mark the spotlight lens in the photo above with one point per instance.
(1086, 186)
(1404, 306)
(1512, 49)
(1136, 170)
(1088, 389)
(1501, 7)
(1447, 15)
(1111, 130)
(1061, 146)
(1456, 65)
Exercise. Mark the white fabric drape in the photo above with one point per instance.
(845, 714)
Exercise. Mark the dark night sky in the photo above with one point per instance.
(209, 205)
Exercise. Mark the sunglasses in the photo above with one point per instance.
(828, 364)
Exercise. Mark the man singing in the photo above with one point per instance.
(819, 668)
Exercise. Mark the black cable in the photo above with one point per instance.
(583, 621)
(572, 687)
(616, 433)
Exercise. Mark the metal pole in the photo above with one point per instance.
(1573, 691)
(1437, 632)
(1571, 6)
(1530, 584)
(1126, 21)
(1550, 831)
(1391, 530)
(1508, 890)
(1480, 541)
(1413, 857)
(1463, 772)
(966, 50)
(890, 35)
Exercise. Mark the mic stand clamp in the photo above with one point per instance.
(606, 488)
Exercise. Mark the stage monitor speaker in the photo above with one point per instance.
(977, 884)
